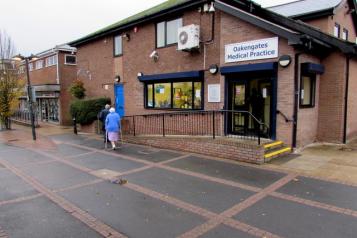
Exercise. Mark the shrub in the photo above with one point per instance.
(86, 111)
(77, 89)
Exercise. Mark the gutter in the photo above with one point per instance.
(296, 99)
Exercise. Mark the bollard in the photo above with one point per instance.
(75, 126)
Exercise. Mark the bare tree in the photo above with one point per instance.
(10, 85)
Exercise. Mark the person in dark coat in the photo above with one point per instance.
(102, 116)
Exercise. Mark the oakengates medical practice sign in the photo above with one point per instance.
(252, 50)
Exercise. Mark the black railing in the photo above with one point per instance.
(222, 123)
(24, 117)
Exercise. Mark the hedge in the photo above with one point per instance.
(86, 111)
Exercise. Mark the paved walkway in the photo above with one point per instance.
(68, 186)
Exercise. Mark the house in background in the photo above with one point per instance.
(51, 75)
(186, 56)
(333, 17)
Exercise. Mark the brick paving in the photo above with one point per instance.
(213, 220)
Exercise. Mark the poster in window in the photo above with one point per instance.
(214, 93)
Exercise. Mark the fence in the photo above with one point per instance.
(24, 117)
(223, 123)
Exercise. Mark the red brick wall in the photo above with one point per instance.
(308, 117)
(234, 30)
(67, 74)
(332, 93)
(46, 75)
(95, 64)
(352, 101)
(221, 149)
(323, 122)
(326, 24)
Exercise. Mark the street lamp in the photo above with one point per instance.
(29, 88)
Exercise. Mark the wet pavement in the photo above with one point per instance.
(70, 186)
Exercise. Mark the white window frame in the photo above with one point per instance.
(345, 34)
(337, 30)
(120, 53)
(51, 60)
(39, 64)
(30, 66)
(65, 59)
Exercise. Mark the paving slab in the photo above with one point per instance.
(69, 150)
(41, 218)
(132, 213)
(322, 191)
(234, 172)
(22, 157)
(209, 195)
(70, 138)
(147, 153)
(104, 161)
(93, 143)
(57, 175)
(293, 220)
(224, 231)
(12, 187)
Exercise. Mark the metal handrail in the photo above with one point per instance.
(214, 124)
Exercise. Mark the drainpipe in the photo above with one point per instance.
(296, 99)
(346, 99)
(58, 80)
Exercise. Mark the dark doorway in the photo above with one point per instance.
(254, 96)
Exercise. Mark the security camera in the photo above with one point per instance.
(154, 54)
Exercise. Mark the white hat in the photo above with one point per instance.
(112, 109)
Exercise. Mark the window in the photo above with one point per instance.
(167, 32)
(118, 46)
(30, 66)
(39, 64)
(336, 31)
(174, 95)
(345, 34)
(52, 60)
(70, 59)
(307, 90)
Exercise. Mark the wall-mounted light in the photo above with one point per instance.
(211, 9)
(117, 79)
(213, 69)
(140, 74)
(126, 36)
(284, 61)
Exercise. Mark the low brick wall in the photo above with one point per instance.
(228, 149)
(90, 128)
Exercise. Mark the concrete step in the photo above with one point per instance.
(273, 145)
(274, 153)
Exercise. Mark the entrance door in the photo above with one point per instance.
(252, 96)
(119, 99)
(239, 103)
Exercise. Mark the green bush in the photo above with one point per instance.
(86, 111)
(77, 89)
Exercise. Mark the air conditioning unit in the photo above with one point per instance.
(189, 37)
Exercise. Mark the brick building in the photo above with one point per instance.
(51, 75)
(292, 66)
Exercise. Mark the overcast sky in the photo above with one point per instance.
(38, 25)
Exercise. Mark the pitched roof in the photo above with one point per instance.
(304, 7)
(165, 6)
